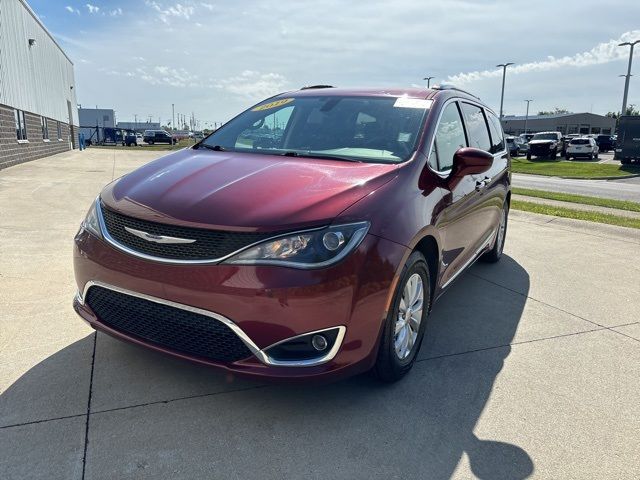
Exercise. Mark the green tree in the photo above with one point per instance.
(631, 110)
(555, 111)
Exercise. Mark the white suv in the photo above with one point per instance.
(582, 147)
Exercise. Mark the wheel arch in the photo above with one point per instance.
(430, 250)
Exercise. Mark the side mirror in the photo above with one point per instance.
(470, 161)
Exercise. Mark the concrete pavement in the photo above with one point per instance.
(529, 369)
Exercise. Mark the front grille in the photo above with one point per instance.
(208, 245)
(539, 149)
(165, 326)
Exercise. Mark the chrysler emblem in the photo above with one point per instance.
(150, 237)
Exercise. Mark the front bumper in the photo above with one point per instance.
(267, 304)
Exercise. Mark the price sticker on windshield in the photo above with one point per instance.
(267, 106)
(405, 102)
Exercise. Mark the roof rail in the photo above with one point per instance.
(448, 86)
(310, 87)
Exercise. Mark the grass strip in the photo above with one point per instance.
(576, 214)
(582, 199)
(559, 168)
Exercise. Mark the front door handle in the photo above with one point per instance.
(480, 184)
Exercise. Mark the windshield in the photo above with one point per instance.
(369, 129)
(545, 136)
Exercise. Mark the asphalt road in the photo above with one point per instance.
(530, 368)
(625, 189)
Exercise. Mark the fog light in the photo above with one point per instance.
(333, 240)
(319, 342)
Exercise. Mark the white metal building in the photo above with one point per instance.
(38, 114)
(565, 123)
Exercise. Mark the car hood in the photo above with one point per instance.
(244, 191)
(542, 142)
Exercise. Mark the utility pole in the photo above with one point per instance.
(173, 116)
(504, 74)
(526, 118)
(628, 76)
(135, 120)
(428, 79)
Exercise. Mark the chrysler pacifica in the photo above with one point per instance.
(306, 238)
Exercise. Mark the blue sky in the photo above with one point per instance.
(216, 58)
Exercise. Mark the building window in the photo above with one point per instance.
(45, 128)
(21, 126)
(59, 128)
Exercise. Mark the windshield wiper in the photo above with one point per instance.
(216, 148)
(318, 155)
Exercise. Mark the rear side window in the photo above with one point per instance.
(449, 138)
(476, 127)
(497, 137)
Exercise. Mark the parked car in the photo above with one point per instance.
(526, 137)
(582, 147)
(545, 145)
(159, 136)
(317, 255)
(516, 146)
(628, 139)
(605, 143)
(131, 138)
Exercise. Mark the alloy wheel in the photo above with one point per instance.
(409, 316)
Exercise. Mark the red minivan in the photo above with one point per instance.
(306, 238)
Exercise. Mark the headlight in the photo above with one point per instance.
(305, 249)
(91, 222)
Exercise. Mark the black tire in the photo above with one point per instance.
(389, 367)
(553, 154)
(625, 161)
(567, 157)
(528, 156)
(591, 156)
(495, 254)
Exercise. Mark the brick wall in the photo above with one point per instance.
(12, 152)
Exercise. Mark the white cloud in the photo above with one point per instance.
(355, 44)
(605, 52)
(116, 13)
(208, 6)
(92, 8)
(70, 9)
(166, 14)
(253, 85)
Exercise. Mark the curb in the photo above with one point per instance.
(617, 177)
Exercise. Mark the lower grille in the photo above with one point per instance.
(165, 326)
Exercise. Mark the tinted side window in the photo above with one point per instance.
(497, 137)
(476, 127)
(449, 138)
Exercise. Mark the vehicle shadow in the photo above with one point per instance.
(422, 427)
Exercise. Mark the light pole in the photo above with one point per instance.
(526, 118)
(628, 76)
(173, 117)
(504, 74)
(428, 79)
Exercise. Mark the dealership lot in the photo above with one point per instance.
(530, 367)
